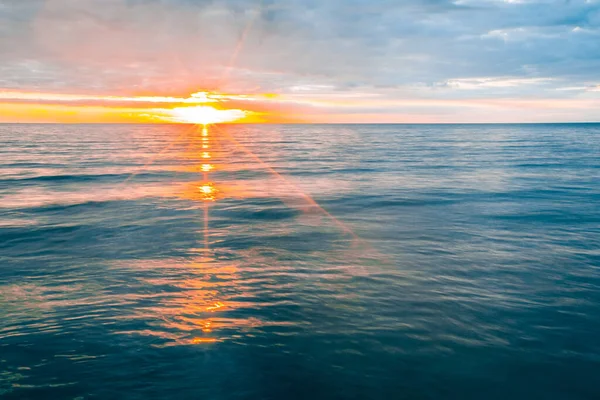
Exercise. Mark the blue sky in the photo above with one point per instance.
(337, 60)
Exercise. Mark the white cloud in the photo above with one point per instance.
(495, 82)
(379, 48)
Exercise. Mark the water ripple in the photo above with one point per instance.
(385, 261)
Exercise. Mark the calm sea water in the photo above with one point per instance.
(292, 262)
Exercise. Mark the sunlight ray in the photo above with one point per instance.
(345, 228)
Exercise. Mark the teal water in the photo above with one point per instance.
(306, 261)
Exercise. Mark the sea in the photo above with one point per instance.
(300, 261)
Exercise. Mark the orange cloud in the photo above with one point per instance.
(210, 107)
(200, 107)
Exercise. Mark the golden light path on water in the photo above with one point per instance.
(206, 150)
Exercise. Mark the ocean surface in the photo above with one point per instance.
(300, 262)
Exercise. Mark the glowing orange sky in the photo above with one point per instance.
(201, 107)
(370, 61)
(20, 106)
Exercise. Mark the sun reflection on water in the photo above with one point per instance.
(210, 298)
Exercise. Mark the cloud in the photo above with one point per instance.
(386, 50)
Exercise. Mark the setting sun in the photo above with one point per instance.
(206, 115)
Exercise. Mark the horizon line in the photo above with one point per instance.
(306, 123)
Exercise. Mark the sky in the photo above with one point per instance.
(324, 61)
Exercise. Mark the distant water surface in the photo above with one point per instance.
(300, 261)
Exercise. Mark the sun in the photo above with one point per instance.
(205, 115)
